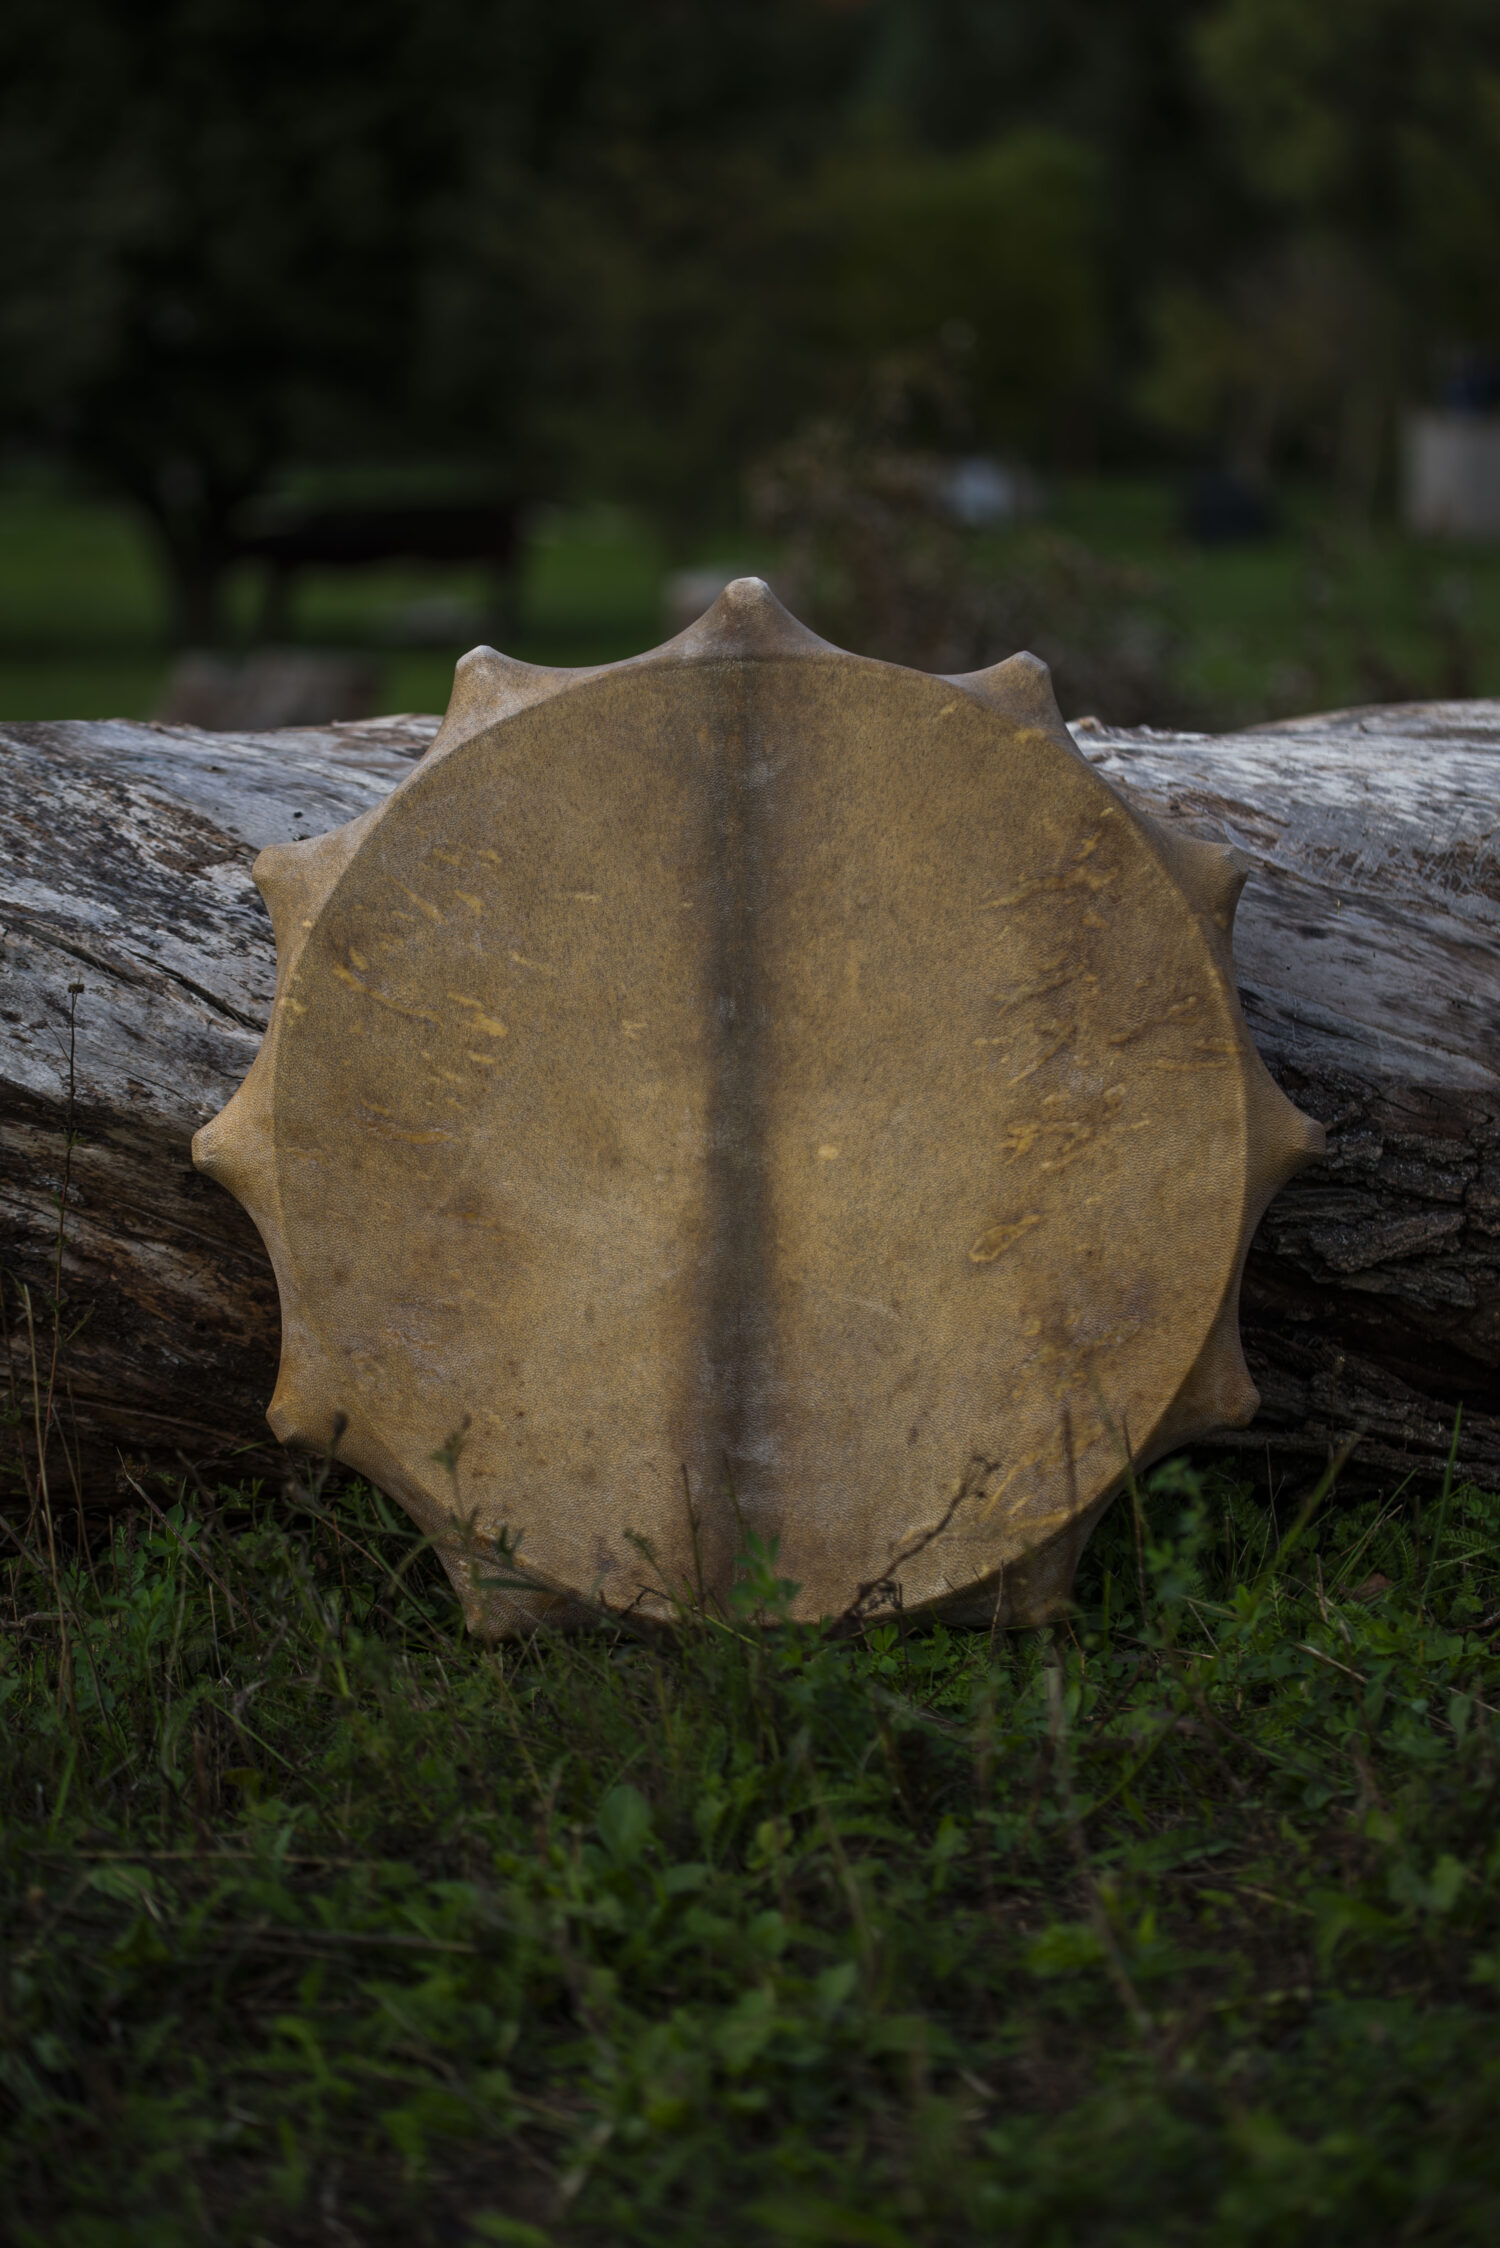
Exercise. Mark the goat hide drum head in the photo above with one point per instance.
(753, 1089)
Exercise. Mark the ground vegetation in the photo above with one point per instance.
(1178, 1921)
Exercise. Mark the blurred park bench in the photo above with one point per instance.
(351, 535)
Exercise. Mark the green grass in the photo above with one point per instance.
(1321, 614)
(1178, 1923)
(83, 627)
(1325, 613)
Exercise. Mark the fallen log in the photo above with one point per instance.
(136, 975)
(1367, 946)
(136, 972)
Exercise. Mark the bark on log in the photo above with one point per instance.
(1368, 944)
(125, 856)
(1368, 949)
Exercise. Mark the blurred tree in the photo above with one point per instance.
(641, 240)
(215, 244)
(243, 233)
(622, 249)
(1122, 82)
(992, 253)
(1367, 134)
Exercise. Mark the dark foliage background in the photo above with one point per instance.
(619, 251)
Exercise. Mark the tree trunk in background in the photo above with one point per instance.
(195, 561)
(1368, 944)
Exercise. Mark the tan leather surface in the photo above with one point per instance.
(759, 1088)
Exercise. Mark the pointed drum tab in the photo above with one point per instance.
(747, 620)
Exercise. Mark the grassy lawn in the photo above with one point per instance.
(1318, 615)
(1177, 1923)
(82, 621)
(1324, 613)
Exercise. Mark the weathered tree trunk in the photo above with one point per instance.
(125, 892)
(1368, 943)
(1368, 950)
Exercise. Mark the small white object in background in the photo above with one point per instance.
(1452, 474)
(981, 493)
(274, 687)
